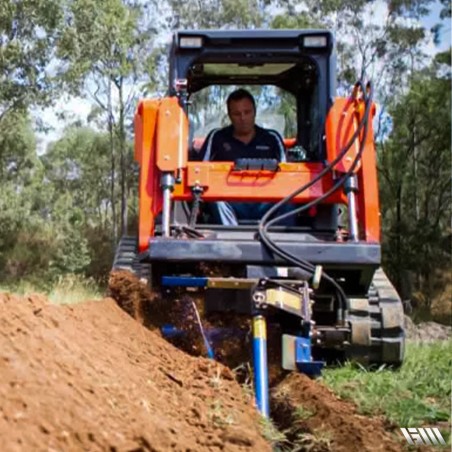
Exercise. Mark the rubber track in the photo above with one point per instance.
(126, 258)
(380, 317)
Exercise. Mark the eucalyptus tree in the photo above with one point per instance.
(28, 30)
(103, 49)
(415, 165)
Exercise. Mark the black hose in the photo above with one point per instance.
(265, 222)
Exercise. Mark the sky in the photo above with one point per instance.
(445, 34)
(79, 108)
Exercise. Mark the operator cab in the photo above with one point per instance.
(290, 73)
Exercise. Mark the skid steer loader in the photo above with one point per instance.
(319, 281)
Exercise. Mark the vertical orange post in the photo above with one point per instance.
(172, 136)
(149, 194)
(368, 200)
(342, 122)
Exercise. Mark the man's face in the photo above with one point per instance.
(242, 115)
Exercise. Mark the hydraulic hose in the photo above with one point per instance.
(266, 222)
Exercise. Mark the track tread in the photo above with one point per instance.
(126, 258)
(386, 318)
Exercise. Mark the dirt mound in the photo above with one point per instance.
(307, 414)
(427, 331)
(89, 377)
(315, 419)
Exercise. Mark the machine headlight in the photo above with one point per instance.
(190, 42)
(315, 41)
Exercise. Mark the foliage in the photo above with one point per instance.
(414, 166)
(194, 14)
(79, 196)
(410, 396)
(28, 30)
(104, 58)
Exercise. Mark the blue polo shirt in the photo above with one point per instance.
(221, 146)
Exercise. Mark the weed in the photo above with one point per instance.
(318, 440)
(73, 289)
(415, 395)
(67, 289)
(244, 374)
(218, 416)
(302, 414)
(216, 381)
(277, 439)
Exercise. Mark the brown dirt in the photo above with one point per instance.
(89, 377)
(334, 424)
(324, 422)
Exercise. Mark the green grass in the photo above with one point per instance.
(417, 394)
(68, 289)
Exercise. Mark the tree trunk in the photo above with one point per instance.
(112, 166)
(123, 160)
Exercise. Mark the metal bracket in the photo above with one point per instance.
(296, 301)
(296, 355)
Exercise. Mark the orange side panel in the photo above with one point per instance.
(368, 200)
(341, 124)
(172, 136)
(138, 134)
(149, 194)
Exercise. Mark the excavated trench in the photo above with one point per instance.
(306, 414)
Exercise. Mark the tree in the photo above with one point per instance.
(196, 15)
(103, 48)
(414, 165)
(77, 169)
(28, 30)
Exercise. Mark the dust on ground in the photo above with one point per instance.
(89, 377)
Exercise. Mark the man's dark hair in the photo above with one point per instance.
(240, 94)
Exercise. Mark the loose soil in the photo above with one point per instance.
(314, 419)
(88, 377)
(99, 376)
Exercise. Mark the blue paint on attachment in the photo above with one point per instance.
(303, 357)
(184, 281)
(261, 365)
